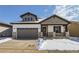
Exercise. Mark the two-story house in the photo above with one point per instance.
(30, 27)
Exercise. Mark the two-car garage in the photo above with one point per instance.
(26, 31)
(29, 33)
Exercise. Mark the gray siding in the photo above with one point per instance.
(54, 20)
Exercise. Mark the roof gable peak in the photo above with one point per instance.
(27, 13)
(55, 16)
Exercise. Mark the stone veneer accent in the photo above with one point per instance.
(14, 35)
(50, 34)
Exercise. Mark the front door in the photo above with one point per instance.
(44, 31)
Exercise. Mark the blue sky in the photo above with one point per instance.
(11, 13)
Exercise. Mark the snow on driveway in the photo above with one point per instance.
(59, 44)
(5, 39)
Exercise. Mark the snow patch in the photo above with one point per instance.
(59, 44)
(4, 39)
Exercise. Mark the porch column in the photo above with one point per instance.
(62, 29)
(41, 34)
(54, 34)
(67, 32)
(50, 30)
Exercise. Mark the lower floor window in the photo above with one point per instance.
(57, 29)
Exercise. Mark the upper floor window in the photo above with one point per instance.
(25, 19)
(28, 19)
(31, 18)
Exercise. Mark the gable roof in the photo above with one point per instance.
(40, 22)
(4, 24)
(55, 16)
(28, 14)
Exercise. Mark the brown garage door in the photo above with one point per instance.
(27, 33)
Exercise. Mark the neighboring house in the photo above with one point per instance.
(30, 27)
(74, 29)
(5, 30)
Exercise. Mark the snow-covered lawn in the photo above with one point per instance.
(5, 39)
(60, 44)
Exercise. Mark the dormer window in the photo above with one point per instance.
(25, 19)
(29, 17)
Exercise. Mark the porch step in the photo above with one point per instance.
(57, 37)
(60, 37)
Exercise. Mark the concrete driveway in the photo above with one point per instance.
(19, 46)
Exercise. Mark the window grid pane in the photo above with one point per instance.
(57, 29)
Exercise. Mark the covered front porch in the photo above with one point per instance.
(55, 26)
(54, 31)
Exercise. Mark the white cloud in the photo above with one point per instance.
(70, 12)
